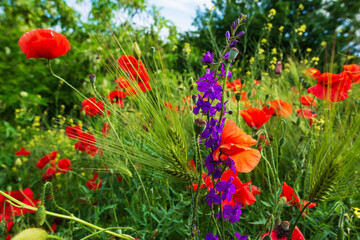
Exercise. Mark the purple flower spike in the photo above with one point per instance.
(227, 188)
(233, 43)
(208, 58)
(240, 34)
(243, 21)
(233, 25)
(210, 236)
(227, 34)
(232, 214)
(226, 56)
(241, 237)
(223, 72)
(213, 198)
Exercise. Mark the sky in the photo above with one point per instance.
(180, 12)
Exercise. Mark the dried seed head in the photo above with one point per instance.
(199, 125)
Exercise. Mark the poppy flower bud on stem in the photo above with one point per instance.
(152, 50)
(40, 216)
(199, 125)
(281, 142)
(238, 96)
(194, 98)
(92, 78)
(233, 53)
(278, 68)
(136, 50)
(285, 225)
(2, 228)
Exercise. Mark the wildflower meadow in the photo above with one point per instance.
(120, 126)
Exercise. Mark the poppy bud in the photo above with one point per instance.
(199, 125)
(40, 216)
(266, 96)
(191, 87)
(194, 98)
(136, 50)
(281, 142)
(228, 94)
(152, 50)
(242, 81)
(283, 199)
(238, 96)
(191, 80)
(301, 138)
(31, 234)
(179, 82)
(2, 228)
(181, 88)
(230, 112)
(278, 68)
(92, 78)
(298, 122)
(340, 234)
(301, 79)
(183, 77)
(233, 53)
(285, 225)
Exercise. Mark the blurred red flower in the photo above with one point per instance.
(24, 196)
(135, 68)
(281, 233)
(117, 97)
(279, 108)
(44, 43)
(22, 152)
(353, 70)
(105, 129)
(87, 143)
(307, 100)
(64, 165)
(73, 132)
(92, 108)
(312, 73)
(46, 159)
(95, 183)
(331, 87)
(254, 117)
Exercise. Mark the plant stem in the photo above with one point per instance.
(297, 219)
(223, 93)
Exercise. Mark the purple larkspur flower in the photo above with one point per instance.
(223, 71)
(210, 236)
(204, 106)
(230, 164)
(227, 188)
(241, 237)
(213, 198)
(233, 25)
(232, 213)
(226, 56)
(240, 34)
(208, 84)
(227, 34)
(208, 58)
(233, 43)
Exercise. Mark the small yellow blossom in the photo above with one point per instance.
(281, 28)
(323, 43)
(272, 13)
(294, 50)
(252, 59)
(301, 7)
(264, 40)
(261, 51)
(269, 26)
(308, 49)
(273, 51)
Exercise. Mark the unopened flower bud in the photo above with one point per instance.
(18, 162)
(283, 199)
(136, 50)
(194, 98)
(278, 68)
(230, 112)
(282, 142)
(190, 81)
(240, 34)
(233, 53)
(285, 225)
(152, 50)
(92, 78)
(2, 227)
(199, 125)
(31, 234)
(233, 25)
(191, 87)
(238, 96)
(266, 96)
(233, 43)
(179, 82)
(40, 216)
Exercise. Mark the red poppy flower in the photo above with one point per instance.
(22, 152)
(46, 159)
(353, 70)
(312, 73)
(24, 196)
(6, 221)
(236, 144)
(64, 165)
(49, 174)
(307, 100)
(105, 129)
(279, 107)
(303, 204)
(306, 113)
(87, 143)
(91, 107)
(95, 183)
(242, 193)
(290, 195)
(117, 97)
(235, 85)
(73, 132)
(282, 231)
(53, 228)
(331, 87)
(44, 43)
(254, 117)
(134, 67)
